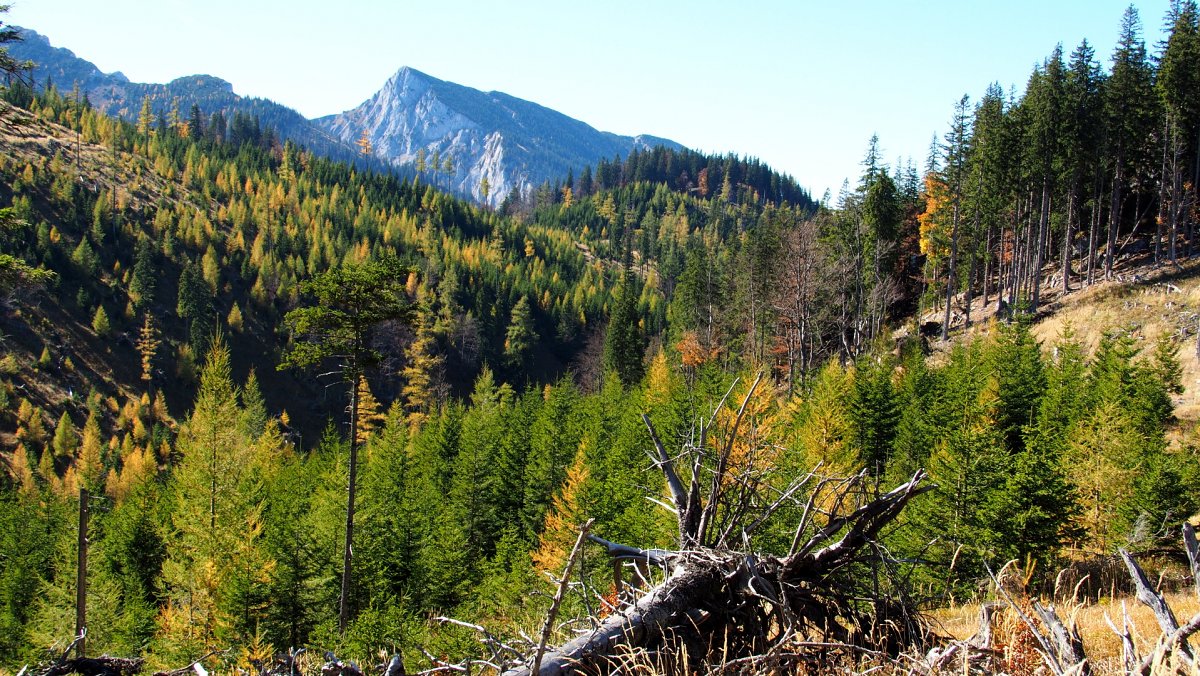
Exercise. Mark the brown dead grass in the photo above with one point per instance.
(1102, 646)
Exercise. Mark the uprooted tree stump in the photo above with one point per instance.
(722, 604)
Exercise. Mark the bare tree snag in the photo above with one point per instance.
(1193, 553)
(81, 576)
(1066, 644)
(1154, 601)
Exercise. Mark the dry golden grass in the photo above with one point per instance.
(1102, 646)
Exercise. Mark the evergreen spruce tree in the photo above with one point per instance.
(144, 279)
(30, 530)
(555, 433)
(301, 524)
(132, 556)
(1129, 118)
(875, 413)
(392, 523)
(1064, 401)
(520, 337)
(195, 304)
(1021, 382)
(1177, 82)
(1082, 142)
(624, 344)
(969, 467)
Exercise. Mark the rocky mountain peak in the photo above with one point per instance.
(512, 143)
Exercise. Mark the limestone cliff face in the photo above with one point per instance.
(512, 143)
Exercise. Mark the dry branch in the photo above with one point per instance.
(95, 666)
(1193, 553)
(1129, 654)
(1154, 601)
(558, 596)
(1066, 643)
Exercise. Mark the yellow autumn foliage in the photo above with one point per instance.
(934, 240)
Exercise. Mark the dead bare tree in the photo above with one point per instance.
(720, 602)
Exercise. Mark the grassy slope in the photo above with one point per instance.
(1145, 299)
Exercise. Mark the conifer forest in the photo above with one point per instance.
(264, 409)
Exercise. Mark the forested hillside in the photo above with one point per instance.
(1085, 166)
(184, 339)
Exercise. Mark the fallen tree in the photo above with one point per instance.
(719, 602)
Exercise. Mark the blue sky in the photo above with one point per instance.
(801, 85)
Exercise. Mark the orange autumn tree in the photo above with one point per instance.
(754, 448)
(693, 353)
(934, 222)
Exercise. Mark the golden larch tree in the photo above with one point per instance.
(364, 144)
(370, 417)
(564, 517)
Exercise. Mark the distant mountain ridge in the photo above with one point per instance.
(512, 143)
(114, 94)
